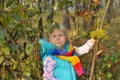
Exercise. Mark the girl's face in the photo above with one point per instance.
(58, 38)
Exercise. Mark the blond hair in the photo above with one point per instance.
(55, 26)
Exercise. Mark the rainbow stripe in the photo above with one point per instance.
(69, 55)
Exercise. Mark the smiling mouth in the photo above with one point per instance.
(59, 45)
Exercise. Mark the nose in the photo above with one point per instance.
(58, 37)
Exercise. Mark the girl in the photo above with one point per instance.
(60, 60)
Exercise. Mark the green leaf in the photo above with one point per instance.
(27, 61)
(11, 25)
(31, 11)
(15, 65)
(1, 59)
(26, 73)
(27, 28)
(109, 75)
(14, 47)
(9, 2)
(29, 48)
(21, 55)
(23, 65)
(109, 65)
(28, 68)
(28, 2)
(114, 59)
(3, 21)
(106, 58)
(6, 50)
(16, 17)
(104, 65)
(33, 64)
(2, 43)
(2, 34)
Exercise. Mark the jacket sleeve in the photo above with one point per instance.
(85, 48)
(45, 45)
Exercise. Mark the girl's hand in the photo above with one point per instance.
(93, 40)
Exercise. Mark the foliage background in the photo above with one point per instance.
(23, 22)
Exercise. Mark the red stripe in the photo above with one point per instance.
(69, 53)
(78, 68)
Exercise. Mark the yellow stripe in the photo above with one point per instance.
(72, 59)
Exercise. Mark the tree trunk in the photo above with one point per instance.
(95, 6)
(110, 11)
(66, 19)
(50, 17)
(40, 24)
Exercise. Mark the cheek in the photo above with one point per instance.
(64, 40)
(51, 40)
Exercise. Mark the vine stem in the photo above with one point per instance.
(97, 42)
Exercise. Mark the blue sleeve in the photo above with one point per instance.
(45, 46)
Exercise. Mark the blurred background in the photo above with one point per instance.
(24, 22)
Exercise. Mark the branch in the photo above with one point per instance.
(96, 46)
(103, 19)
(94, 60)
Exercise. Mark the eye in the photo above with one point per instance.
(61, 35)
(54, 36)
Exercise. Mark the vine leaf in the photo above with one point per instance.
(3, 21)
(17, 17)
(109, 75)
(5, 50)
(21, 55)
(9, 3)
(31, 11)
(15, 65)
(1, 59)
(29, 48)
(2, 34)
